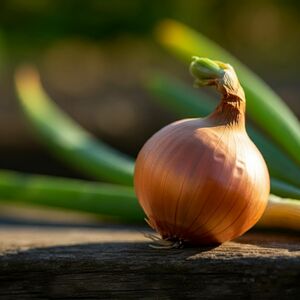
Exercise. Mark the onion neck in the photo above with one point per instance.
(231, 109)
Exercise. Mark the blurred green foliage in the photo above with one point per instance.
(264, 33)
(40, 21)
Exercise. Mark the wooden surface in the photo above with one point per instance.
(116, 262)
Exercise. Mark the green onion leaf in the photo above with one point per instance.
(79, 195)
(66, 138)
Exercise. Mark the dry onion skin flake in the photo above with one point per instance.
(202, 180)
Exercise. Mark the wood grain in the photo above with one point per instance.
(117, 262)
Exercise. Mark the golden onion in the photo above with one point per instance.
(203, 181)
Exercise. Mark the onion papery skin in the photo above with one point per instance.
(202, 181)
(201, 184)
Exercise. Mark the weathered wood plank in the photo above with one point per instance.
(62, 263)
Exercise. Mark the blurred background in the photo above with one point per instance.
(95, 55)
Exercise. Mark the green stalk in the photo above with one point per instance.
(283, 189)
(264, 106)
(281, 213)
(181, 99)
(97, 198)
(66, 138)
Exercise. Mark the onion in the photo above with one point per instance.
(203, 181)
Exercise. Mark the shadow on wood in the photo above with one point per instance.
(103, 263)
